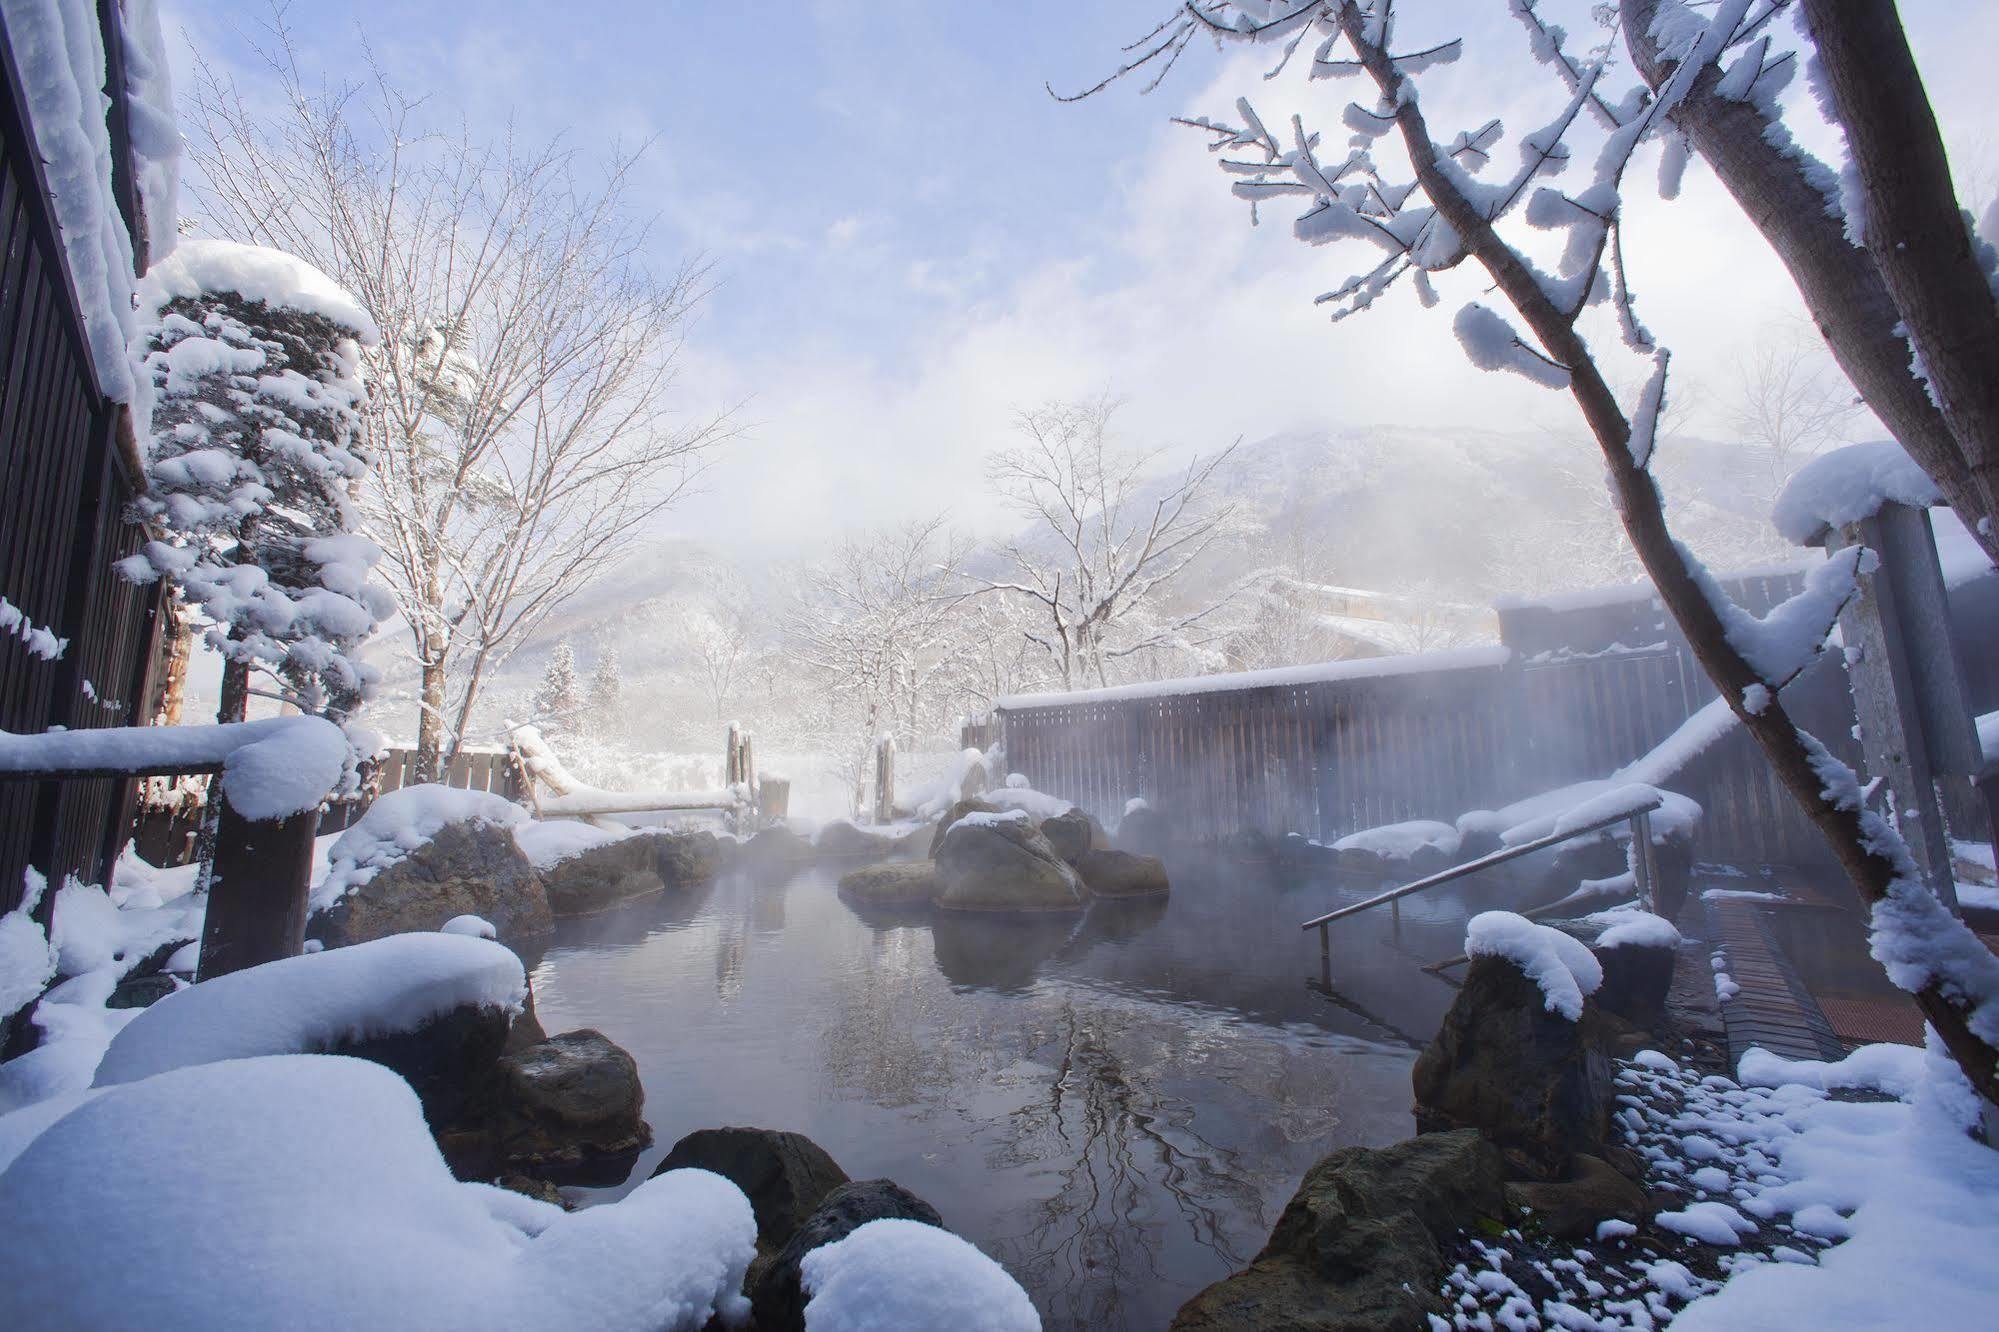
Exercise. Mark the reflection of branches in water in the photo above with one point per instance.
(882, 1040)
(1090, 1242)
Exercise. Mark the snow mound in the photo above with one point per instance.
(1894, 1070)
(1565, 970)
(979, 818)
(400, 822)
(298, 1005)
(1037, 804)
(905, 1274)
(477, 927)
(1847, 485)
(323, 1202)
(1570, 807)
(1399, 841)
(200, 266)
(1635, 929)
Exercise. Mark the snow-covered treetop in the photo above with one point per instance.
(256, 273)
(1847, 485)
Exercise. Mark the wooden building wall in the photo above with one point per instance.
(64, 483)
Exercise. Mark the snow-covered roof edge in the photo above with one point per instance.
(59, 54)
(1459, 659)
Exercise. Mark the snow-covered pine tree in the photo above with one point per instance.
(559, 700)
(254, 455)
(607, 689)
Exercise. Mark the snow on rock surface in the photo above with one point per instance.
(1637, 929)
(1570, 807)
(549, 843)
(256, 273)
(398, 823)
(1560, 964)
(905, 1274)
(27, 955)
(311, 1002)
(323, 1202)
(271, 769)
(1399, 841)
(1024, 798)
(1847, 485)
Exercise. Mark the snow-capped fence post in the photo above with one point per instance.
(258, 891)
(1908, 686)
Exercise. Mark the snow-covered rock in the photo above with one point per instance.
(294, 1191)
(1564, 969)
(316, 1002)
(895, 1273)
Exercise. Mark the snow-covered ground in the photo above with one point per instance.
(1799, 1205)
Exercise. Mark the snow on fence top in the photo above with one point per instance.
(271, 769)
(309, 1003)
(1847, 485)
(1459, 659)
(1560, 964)
(256, 273)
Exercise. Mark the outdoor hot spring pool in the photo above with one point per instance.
(1115, 1106)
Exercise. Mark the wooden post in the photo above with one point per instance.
(773, 800)
(885, 779)
(1907, 685)
(259, 885)
(1641, 858)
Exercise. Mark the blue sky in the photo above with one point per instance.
(912, 237)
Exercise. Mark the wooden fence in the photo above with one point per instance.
(1576, 692)
(67, 472)
(469, 770)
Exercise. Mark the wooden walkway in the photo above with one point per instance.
(1771, 1007)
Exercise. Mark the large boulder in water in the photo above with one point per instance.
(467, 868)
(999, 862)
(1144, 830)
(952, 815)
(1074, 835)
(1360, 1247)
(603, 876)
(844, 840)
(898, 883)
(785, 1175)
(569, 1108)
(1122, 874)
(690, 859)
(1534, 1081)
(777, 1294)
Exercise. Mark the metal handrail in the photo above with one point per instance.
(1641, 831)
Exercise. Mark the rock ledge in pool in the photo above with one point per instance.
(1122, 874)
(895, 884)
(470, 868)
(994, 863)
(1360, 1246)
(603, 877)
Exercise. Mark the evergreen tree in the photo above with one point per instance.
(607, 687)
(254, 452)
(559, 700)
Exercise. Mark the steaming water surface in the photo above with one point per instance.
(1115, 1106)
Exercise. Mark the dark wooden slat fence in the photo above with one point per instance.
(1576, 692)
(64, 483)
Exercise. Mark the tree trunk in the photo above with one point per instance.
(1840, 284)
(430, 722)
(235, 703)
(1915, 232)
(1871, 868)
